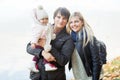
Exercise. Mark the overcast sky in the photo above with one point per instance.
(13, 10)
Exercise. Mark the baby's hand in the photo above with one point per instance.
(41, 42)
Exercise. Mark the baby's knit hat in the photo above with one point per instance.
(40, 13)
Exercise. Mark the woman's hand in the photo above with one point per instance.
(48, 56)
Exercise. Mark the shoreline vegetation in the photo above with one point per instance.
(111, 70)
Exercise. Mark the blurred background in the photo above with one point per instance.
(16, 22)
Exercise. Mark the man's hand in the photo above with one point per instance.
(48, 56)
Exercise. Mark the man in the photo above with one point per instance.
(62, 48)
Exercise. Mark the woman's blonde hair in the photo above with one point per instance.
(87, 31)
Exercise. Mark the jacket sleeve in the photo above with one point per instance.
(95, 61)
(36, 51)
(63, 56)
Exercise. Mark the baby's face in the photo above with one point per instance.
(44, 21)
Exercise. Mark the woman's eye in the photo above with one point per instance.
(71, 22)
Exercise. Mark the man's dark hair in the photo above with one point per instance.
(63, 11)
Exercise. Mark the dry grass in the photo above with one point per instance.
(111, 70)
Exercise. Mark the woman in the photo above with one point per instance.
(62, 48)
(85, 59)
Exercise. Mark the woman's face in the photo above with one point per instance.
(60, 21)
(75, 24)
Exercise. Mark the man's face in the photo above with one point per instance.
(60, 21)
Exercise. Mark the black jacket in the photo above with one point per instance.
(62, 49)
(90, 58)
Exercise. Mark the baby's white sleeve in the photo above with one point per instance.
(36, 33)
